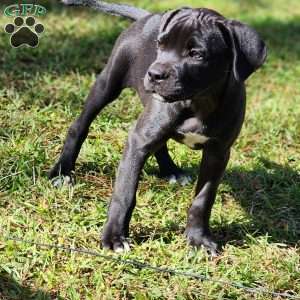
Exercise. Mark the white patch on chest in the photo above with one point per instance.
(191, 139)
(158, 97)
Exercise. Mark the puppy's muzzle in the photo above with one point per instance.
(157, 74)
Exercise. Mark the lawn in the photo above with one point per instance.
(256, 216)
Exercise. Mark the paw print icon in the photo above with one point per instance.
(24, 32)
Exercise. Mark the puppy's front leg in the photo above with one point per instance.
(212, 168)
(124, 195)
(152, 130)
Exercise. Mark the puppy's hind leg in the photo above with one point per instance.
(168, 169)
(106, 88)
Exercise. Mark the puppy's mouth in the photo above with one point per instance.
(164, 93)
(173, 97)
(168, 99)
(179, 94)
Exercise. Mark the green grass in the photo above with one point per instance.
(257, 212)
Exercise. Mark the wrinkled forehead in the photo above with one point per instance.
(188, 25)
(171, 19)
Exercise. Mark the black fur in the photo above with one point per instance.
(188, 67)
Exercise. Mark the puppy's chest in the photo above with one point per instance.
(193, 133)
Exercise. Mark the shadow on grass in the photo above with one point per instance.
(10, 289)
(60, 53)
(270, 195)
(281, 38)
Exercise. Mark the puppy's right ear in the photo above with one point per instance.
(248, 49)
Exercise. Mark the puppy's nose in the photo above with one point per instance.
(157, 74)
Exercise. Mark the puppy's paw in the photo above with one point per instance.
(196, 238)
(62, 174)
(118, 245)
(121, 247)
(176, 176)
(60, 181)
(115, 242)
(182, 179)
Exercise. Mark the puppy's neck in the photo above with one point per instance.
(207, 101)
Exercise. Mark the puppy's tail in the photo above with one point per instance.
(123, 10)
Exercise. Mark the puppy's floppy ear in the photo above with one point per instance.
(248, 49)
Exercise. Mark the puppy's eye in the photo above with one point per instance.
(196, 54)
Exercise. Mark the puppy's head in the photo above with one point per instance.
(196, 48)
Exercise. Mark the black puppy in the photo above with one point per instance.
(188, 67)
